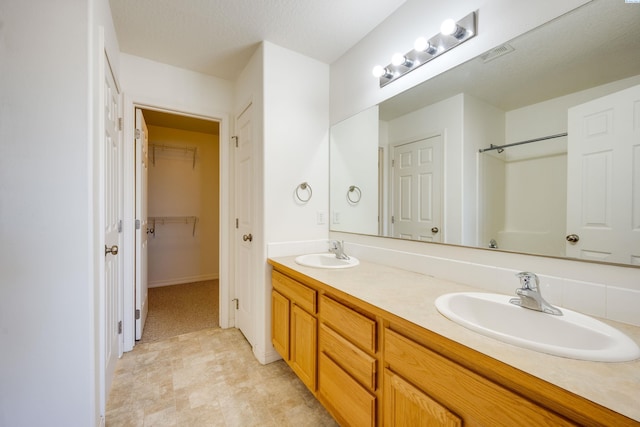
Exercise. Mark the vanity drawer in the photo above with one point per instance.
(351, 403)
(356, 362)
(359, 329)
(298, 293)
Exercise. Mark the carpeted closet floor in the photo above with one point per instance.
(180, 309)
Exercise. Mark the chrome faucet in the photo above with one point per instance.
(530, 296)
(338, 249)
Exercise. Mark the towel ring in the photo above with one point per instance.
(357, 194)
(305, 187)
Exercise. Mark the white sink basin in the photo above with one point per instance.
(326, 260)
(571, 335)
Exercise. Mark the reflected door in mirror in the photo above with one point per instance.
(417, 190)
(604, 181)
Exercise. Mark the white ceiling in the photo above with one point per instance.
(217, 37)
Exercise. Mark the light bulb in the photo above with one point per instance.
(423, 45)
(420, 44)
(448, 27)
(398, 59)
(379, 71)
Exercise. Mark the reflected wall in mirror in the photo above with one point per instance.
(419, 160)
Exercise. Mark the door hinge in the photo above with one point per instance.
(393, 219)
(119, 327)
(137, 224)
(235, 138)
(393, 163)
(237, 301)
(120, 226)
(119, 123)
(137, 314)
(237, 223)
(137, 133)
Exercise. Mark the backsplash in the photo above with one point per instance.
(610, 292)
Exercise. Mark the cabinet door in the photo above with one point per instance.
(304, 345)
(405, 405)
(280, 324)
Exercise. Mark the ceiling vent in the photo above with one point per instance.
(496, 53)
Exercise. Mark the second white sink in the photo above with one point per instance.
(326, 260)
(571, 335)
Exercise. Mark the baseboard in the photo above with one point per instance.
(266, 357)
(182, 280)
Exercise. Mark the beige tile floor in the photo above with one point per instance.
(208, 378)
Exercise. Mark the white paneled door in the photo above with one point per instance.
(111, 313)
(417, 190)
(142, 174)
(244, 223)
(603, 179)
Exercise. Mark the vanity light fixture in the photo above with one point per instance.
(452, 33)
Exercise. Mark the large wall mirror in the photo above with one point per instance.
(532, 147)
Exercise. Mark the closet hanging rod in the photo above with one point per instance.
(500, 147)
(182, 149)
(162, 220)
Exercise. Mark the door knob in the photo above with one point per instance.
(434, 230)
(572, 238)
(113, 250)
(247, 237)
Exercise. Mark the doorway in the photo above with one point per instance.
(181, 225)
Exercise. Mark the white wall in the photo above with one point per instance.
(48, 294)
(296, 141)
(296, 125)
(161, 85)
(354, 161)
(178, 188)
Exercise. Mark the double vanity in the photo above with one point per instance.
(369, 342)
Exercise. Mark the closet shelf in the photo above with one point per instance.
(174, 148)
(163, 220)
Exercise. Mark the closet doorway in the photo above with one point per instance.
(182, 226)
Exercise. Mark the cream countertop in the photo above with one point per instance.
(411, 296)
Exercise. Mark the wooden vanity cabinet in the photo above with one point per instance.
(294, 326)
(371, 368)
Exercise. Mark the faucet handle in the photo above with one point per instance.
(529, 280)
